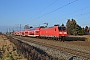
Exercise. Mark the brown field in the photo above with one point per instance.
(8, 50)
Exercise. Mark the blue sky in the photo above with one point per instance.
(36, 12)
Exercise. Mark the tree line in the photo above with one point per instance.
(74, 29)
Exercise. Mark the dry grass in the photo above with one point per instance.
(7, 49)
(87, 38)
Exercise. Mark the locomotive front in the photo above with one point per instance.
(62, 31)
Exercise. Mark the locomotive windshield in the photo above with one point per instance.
(62, 28)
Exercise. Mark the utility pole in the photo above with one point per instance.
(20, 29)
(18, 26)
(8, 31)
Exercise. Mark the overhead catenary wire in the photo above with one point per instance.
(81, 14)
(84, 18)
(76, 11)
(45, 8)
(56, 9)
(71, 13)
(85, 24)
(48, 6)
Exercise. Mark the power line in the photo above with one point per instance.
(84, 18)
(86, 24)
(48, 6)
(45, 8)
(75, 12)
(57, 9)
(82, 14)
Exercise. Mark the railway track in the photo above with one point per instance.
(66, 50)
(74, 52)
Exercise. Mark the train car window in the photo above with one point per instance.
(62, 28)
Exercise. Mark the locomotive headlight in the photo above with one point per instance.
(65, 32)
(60, 32)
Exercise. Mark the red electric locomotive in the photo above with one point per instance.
(56, 32)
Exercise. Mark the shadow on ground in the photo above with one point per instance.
(75, 38)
